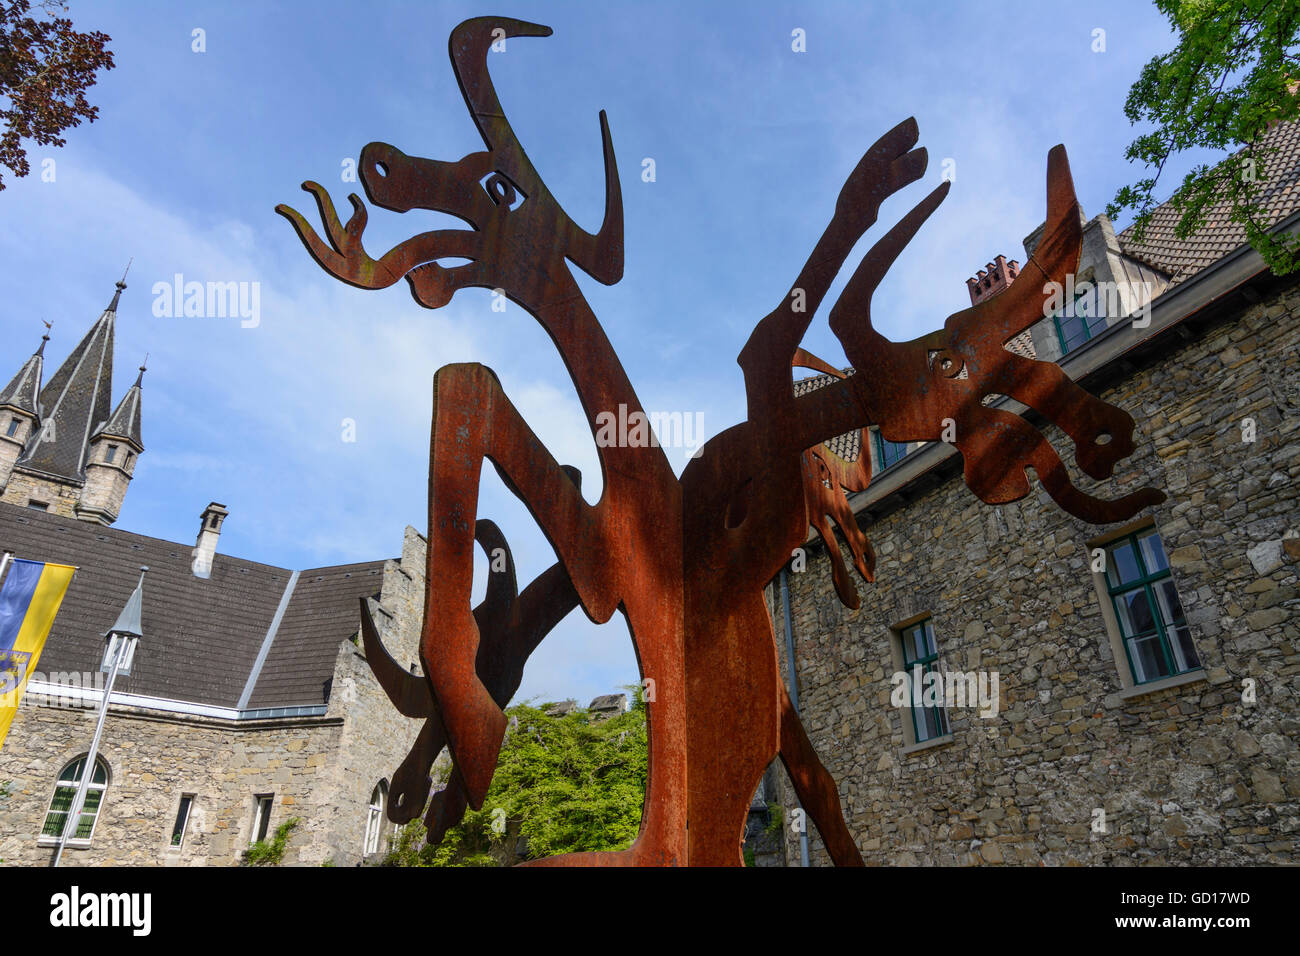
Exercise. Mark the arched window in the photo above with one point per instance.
(65, 791)
(375, 816)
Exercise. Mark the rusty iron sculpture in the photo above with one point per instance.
(685, 560)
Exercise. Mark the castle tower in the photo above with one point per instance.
(79, 452)
(20, 411)
(110, 461)
(992, 279)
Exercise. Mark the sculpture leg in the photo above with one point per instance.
(473, 420)
(815, 787)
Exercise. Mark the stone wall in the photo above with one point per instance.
(152, 761)
(1191, 774)
(374, 737)
(62, 498)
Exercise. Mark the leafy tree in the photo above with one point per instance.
(46, 67)
(562, 785)
(1231, 76)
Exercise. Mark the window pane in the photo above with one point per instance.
(1134, 610)
(88, 811)
(1176, 629)
(930, 649)
(1121, 564)
(1153, 552)
(1148, 661)
(1183, 648)
(182, 817)
(58, 812)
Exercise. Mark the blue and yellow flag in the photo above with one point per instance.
(29, 599)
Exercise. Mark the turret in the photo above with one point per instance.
(20, 410)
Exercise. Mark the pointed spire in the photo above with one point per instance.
(120, 284)
(128, 621)
(125, 420)
(23, 392)
(74, 403)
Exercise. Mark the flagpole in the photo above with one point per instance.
(88, 770)
(4, 563)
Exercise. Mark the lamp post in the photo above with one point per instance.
(119, 652)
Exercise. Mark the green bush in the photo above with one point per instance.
(271, 852)
(562, 785)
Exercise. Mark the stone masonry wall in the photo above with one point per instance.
(152, 761)
(375, 737)
(62, 498)
(1193, 774)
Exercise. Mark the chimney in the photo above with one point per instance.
(992, 279)
(205, 548)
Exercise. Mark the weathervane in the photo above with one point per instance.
(685, 560)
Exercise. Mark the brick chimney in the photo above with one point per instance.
(992, 279)
(205, 548)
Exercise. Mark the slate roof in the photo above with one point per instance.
(125, 420)
(76, 400)
(1180, 259)
(201, 636)
(24, 391)
(323, 612)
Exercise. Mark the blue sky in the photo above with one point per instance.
(751, 143)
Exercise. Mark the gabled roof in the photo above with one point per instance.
(1279, 173)
(202, 637)
(24, 391)
(75, 402)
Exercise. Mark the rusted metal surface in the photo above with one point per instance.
(685, 560)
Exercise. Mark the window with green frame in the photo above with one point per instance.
(1157, 640)
(65, 791)
(921, 657)
(1078, 322)
(888, 452)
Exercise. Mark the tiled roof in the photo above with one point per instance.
(323, 612)
(1279, 173)
(201, 635)
(125, 420)
(76, 402)
(24, 391)
(848, 445)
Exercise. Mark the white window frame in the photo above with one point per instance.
(375, 818)
(60, 783)
(188, 810)
(263, 807)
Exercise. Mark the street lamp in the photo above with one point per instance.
(119, 652)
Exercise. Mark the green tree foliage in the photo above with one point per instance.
(46, 67)
(1232, 74)
(563, 785)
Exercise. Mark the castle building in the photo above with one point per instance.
(64, 448)
(249, 702)
(1104, 695)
